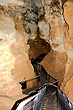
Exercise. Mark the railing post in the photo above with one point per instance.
(46, 76)
(49, 78)
(42, 68)
(38, 79)
(57, 83)
(39, 67)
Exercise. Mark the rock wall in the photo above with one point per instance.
(57, 57)
(14, 62)
(46, 26)
(58, 61)
(35, 26)
(67, 84)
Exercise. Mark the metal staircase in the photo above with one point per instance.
(54, 98)
(50, 102)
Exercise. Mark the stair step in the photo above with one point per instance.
(50, 102)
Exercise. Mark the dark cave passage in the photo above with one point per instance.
(38, 48)
(38, 59)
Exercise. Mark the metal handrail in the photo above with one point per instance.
(39, 76)
(56, 80)
(46, 84)
(33, 78)
(66, 96)
(48, 73)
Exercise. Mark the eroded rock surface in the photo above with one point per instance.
(14, 62)
(58, 61)
(47, 29)
(67, 84)
(57, 57)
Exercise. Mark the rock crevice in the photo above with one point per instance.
(29, 28)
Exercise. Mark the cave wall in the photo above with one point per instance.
(58, 61)
(36, 28)
(67, 84)
(14, 61)
(46, 26)
(57, 57)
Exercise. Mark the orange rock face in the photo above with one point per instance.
(67, 84)
(44, 27)
(14, 62)
(56, 59)
(59, 61)
(8, 86)
(54, 63)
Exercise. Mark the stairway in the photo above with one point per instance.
(50, 102)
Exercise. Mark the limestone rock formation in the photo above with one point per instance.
(54, 63)
(14, 62)
(57, 57)
(8, 86)
(43, 30)
(67, 84)
(29, 28)
(59, 60)
(32, 23)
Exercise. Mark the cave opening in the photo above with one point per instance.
(38, 48)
